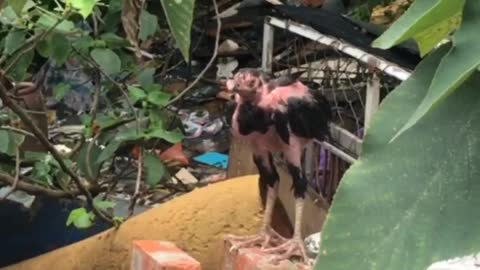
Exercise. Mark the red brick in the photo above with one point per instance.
(161, 255)
(253, 259)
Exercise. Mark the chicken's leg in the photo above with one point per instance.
(294, 246)
(267, 236)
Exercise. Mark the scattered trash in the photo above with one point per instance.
(63, 149)
(201, 95)
(17, 196)
(175, 154)
(220, 142)
(215, 178)
(198, 124)
(186, 177)
(228, 46)
(214, 159)
(226, 66)
(313, 244)
(76, 95)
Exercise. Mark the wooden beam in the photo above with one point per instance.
(267, 49)
(310, 33)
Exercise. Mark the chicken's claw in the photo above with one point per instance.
(292, 247)
(265, 239)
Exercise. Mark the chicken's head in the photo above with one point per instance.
(247, 83)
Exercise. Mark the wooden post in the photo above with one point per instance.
(267, 51)
(372, 99)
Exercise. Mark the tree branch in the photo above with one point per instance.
(7, 101)
(32, 189)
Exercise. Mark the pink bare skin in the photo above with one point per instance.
(249, 87)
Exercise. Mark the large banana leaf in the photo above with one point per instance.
(426, 21)
(414, 201)
(462, 60)
(179, 15)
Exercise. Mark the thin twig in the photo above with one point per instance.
(133, 201)
(17, 130)
(17, 173)
(209, 64)
(7, 101)
(25, 185)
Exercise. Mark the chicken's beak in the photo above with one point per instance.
(231, 85)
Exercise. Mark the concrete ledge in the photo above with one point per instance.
(253, 259)
(161, 255)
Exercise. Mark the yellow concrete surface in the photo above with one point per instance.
(196, 222)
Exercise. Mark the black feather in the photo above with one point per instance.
(281, 125)
(309, 119)
(251, 118)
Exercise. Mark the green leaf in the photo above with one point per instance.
(94, 166)
(136, 93)
(17, 6)
(13, 41)
(106, 120)
(34, 156)
(104, 205)
(145, 77)
(148, 25)
(109, 151)
(113, 41)
(4, 141)
(61, 90)
(20, 68)
(9, 141)
(115, 6)
(43, 48)
(179, 15)
(130, 135)
(455, 68)
(154, 169)
(84, 7)
(8, 16)
(426, 21)
(158, 98)
(48, 21)
(41, 172)
(107, 59)
(80, 218)
(60, 48)
(402, 193)
(174, 136)
(82, 43)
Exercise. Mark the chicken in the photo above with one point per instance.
(277, 115)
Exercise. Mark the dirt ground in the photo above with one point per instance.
(196, 222)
